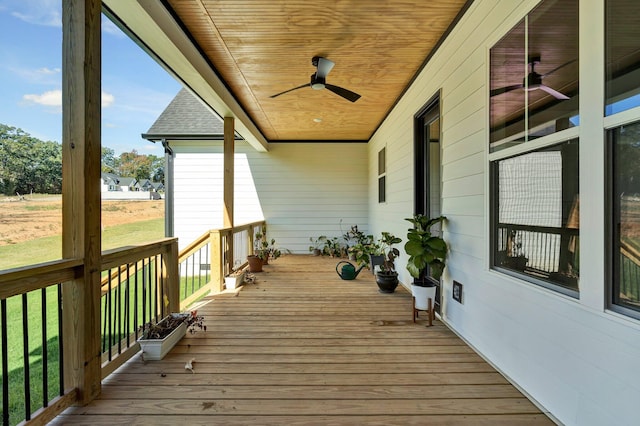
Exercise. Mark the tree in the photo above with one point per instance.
(28, 164)
(110, 162)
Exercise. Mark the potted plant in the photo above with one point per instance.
(387, 276)
(265, 249)
(353, 237)
(316, 244)
(158, 339)
(427, 257)
(332, 247)
(362, 250)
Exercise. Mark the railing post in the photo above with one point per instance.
(171, 277)
(217, 261)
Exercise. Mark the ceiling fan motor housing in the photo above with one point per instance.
(317, 83)
(532, 81)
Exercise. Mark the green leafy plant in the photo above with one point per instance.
(389, 252)
(264, 248)
(332, 247)
(427, 252)
(365, 247)
(317, 243)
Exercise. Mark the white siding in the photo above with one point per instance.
(578, 360)
(302, 190)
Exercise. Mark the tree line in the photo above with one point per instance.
(28, 164)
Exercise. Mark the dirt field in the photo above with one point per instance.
(23, 220)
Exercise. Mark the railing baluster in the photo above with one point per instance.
(119, 313)
(127, 312)
(25, 354)
(45, 361)
(136, 324)
(108, 314)
(60, 344)
(144, 295)
(5, 363)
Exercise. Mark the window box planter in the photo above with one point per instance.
(234, 281)
(173, 327)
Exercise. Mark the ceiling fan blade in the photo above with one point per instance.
(290, 90)
(557, 68)
(347, 94)
(506, 89)
(554, 93)
(324, 66)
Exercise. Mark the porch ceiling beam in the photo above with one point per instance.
(160, 35)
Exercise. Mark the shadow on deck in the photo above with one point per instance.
(300, 347)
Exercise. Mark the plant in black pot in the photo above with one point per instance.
(427, 257)
(387, 276)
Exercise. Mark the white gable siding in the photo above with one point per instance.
(302, 190)
(578, 360)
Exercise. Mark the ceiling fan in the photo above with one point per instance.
(318, 80)
(533, 81)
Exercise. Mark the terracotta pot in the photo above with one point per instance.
(255, 263)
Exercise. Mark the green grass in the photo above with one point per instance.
(50, 248)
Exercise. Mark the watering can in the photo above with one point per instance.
(349, 271)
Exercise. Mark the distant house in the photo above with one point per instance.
(109, 182)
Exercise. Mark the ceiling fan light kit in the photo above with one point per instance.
(319, 80)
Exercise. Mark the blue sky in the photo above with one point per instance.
(135, 88)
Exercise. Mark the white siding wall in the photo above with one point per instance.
(302, 190)
(577, 359)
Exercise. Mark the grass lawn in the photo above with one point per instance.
(50, 248)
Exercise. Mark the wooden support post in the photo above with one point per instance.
(171, 277)
(228, 179)
(81, 231)
(217, 278)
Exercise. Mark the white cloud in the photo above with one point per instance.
(38, 12)
(107, 99)
(48, 71)
(53, 98)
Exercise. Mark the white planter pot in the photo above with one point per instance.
(156, 349)
(232, 282)
(422, 295)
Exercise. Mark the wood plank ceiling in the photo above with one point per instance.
(263, 47)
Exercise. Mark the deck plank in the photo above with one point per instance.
(301, 346)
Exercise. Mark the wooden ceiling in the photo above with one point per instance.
(263, 47)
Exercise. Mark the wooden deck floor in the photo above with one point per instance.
(303, 347)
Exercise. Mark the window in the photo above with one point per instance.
(533, 77)
(535, 216)
(624, 142)
(622, 53)
(622, 93)
(382, 169)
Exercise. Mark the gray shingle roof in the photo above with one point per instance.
(186, 116)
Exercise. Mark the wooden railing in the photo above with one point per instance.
(205, 262)
(540, 251)
(140, 284)
(28, 327)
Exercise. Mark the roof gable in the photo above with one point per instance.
(186, 116)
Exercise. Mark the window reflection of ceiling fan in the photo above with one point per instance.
(533, 81)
